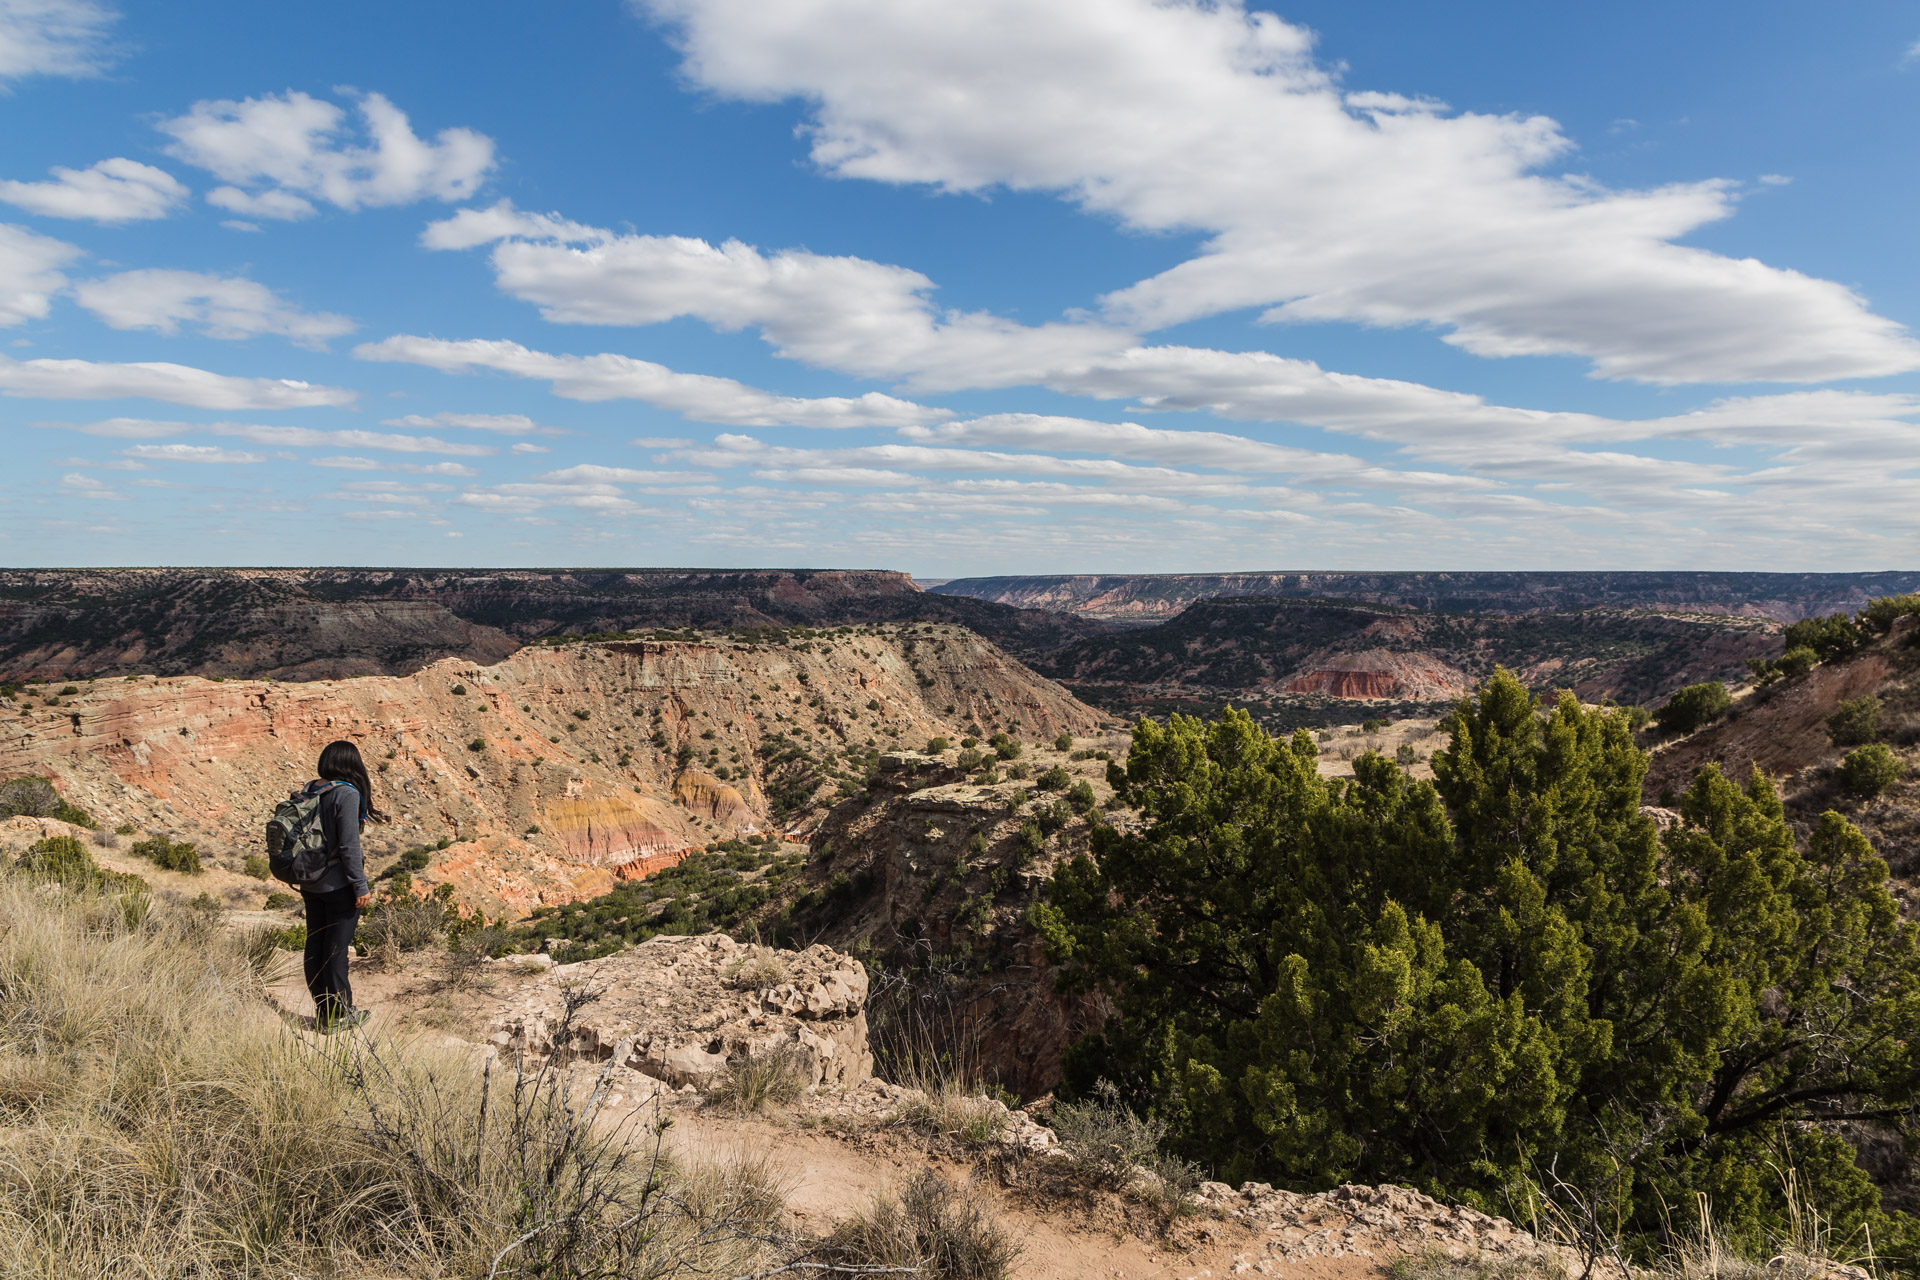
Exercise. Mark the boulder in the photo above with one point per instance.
(681, 1010)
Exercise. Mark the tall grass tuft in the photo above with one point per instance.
(158, 1119)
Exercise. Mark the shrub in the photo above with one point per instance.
(1694, 707)
(584, 714)
(1052, 817)
(458, 690)
(930, 1226)
(1869, 770)
(400, 922)
(937, 746)
(1054, 779)
(1405, 756)
(968, 760)
(256, 866)
(1855, 722)
(65, 860)
(1372, 725)
(1114, 1146)
(170, 856)
(1004, 748)
(281, 901)
(37, 798)
(1831, 638)
(1081, 796)
(1465, 983)
(1064, 742)
(478, 744)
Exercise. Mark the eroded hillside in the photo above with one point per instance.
(552, 773)
(1151, 597)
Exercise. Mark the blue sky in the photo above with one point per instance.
(1005, 287)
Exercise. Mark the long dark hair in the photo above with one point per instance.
(341, 762)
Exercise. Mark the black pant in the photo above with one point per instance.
(331, 921)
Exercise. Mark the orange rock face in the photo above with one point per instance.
(550, 773)
(1345, 684)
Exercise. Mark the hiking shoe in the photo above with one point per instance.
(351, 1020)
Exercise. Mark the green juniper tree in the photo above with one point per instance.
(1500, 976)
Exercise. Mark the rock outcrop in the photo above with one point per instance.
(678, 1011)
(1367, 1222)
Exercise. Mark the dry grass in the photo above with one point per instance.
(754, 1084)
(942, 1230)
(759, 969)
(160, 1120)
(949, 1109)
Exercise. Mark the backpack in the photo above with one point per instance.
(296, 845)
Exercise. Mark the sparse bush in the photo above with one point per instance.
(126, 829)
(774, 1078)
(1054, 779)
(37, 798)
(400, 922)
(1052, 817)
(942, 1231)
(256, 866)
(467, 954)
(1017, 770)
(937, 746)
(1694, 707)
(1372, 725)
(1867, 771)
(169, 855)
(1405, 756)
(1004, 748)
(1064, 742)
(1855, 722)
(281, 901)
(968, 760)
(1115, 1148)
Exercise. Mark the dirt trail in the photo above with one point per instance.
(830, 1169)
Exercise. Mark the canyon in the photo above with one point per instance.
(1255, 647)
(1151, 597)
(311, 624)
(545, 777)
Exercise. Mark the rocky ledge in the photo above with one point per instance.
(680, 1012)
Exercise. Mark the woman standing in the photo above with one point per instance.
(335, 900)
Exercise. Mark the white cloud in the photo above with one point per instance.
(1321, 205)
(506, 424)
(403, 468)
(851, 314)
(76, 485)
(523, 447)
(174, 383)
(616, 377)
(312, 438)
(280, 154)
(191, 453)
(112, 191)
(219, 306)
(30, 272)
(53, 37)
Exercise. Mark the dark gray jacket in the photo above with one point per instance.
(340, 824)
